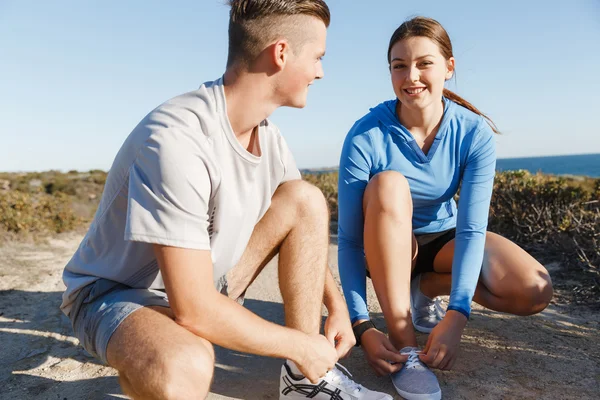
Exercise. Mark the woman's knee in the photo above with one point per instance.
(388, 192)
(540, 292)
(512, 274)
(533, 293)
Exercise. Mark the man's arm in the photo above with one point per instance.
(332, 298)
(199, 308)
(338, 329)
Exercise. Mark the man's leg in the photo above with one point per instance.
(157, 358)
(297, 226)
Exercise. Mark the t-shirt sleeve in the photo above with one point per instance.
(471, 225)
(169, 194)
(290, 170)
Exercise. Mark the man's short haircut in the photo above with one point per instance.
(254, 24)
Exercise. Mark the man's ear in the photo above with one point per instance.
(280, 52)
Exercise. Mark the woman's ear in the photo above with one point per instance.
(449, 68)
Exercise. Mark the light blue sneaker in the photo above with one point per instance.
(426, 313)
(415, 381)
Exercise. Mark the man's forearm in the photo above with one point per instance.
(230, 325)
(332, 298)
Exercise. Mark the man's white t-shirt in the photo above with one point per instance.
(180, 179)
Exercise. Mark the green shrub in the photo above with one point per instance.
(548, 214)
(99, 178)
(327, 182)
(23, 213)
(554, 218)
(61, 184)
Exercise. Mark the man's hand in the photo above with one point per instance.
(338, 328)
(316, 358)
(442, 345)
(338, 331)
(380, 353)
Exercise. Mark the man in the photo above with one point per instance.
(202, 194)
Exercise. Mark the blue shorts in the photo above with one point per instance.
(100, 308)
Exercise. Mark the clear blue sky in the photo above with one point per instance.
(77, 76)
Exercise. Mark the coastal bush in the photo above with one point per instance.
(26, 213)
(327, 182)
(548, 214)
(557, 219)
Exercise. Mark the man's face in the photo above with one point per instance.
(303, 65)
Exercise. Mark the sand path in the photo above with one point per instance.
(554, 355)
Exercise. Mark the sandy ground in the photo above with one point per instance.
(554, 355)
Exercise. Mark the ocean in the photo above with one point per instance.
(584, 164)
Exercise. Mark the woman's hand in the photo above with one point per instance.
(442, 345)
(380, 353)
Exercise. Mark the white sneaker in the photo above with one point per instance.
(335, 385)
(426, 313)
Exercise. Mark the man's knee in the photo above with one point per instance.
(388, 192)
(305, 198)
(187, 373)
(190, 377)
(176, 373)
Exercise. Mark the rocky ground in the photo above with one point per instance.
(554, 355)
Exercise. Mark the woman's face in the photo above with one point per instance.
(418, 71)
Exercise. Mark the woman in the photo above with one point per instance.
(400, 167)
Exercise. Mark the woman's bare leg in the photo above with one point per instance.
(511, 280)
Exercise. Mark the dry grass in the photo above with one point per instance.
(39, 204)
(557, 219)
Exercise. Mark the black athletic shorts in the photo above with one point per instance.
(430, 245)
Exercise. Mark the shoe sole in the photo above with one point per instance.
(422, 329)
(416, 396)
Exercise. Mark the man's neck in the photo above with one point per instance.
(248, 102)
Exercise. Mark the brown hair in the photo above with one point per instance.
(433, 30)
(253, 24)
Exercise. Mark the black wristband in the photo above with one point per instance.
(362, 328)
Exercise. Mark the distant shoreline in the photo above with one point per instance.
(550, 156)
(559, 165)
(572, 166)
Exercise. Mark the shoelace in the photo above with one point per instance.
(413, 358)
(338, 377)
(437, 308)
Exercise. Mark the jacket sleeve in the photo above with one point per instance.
(354, 174)
(471, 226)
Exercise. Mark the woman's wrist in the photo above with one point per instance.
(457, 318)
(360, 327)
